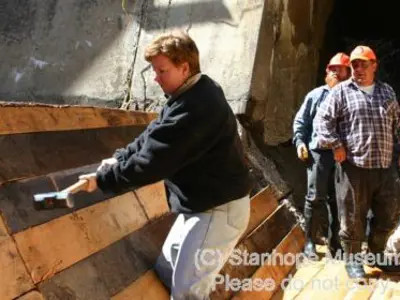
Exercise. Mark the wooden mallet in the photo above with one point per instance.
(61, 199)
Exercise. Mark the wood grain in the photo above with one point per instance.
(26, 118)
(51, 247)
(146, 287)
(263, 240)
(14, 276)
(114, 268)
(35, 154)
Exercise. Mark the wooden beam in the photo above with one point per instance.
(146, 287)
(26, 118)
(114, 268)
(17, 207)
(153, 199)
(333, 279)
(82, 285)
(14, 276)
(384, 290)
(34, 295)
(261, 206)
(16, 200)
(35, 154)
(3, 230)
(271, 275)
(360, 292)
(58, 244)
(301, 278)
(263, 240)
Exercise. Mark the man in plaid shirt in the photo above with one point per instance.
(358, 120)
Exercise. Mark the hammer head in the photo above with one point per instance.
(53, 200)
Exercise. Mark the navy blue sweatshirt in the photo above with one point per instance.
(193, 146)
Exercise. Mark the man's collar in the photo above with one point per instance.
(351, 82)
(326, 87)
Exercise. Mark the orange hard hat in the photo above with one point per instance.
(362, 52)
(339, 59)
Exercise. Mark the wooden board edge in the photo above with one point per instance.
(148, 286)
(53, 246)
(29, 118)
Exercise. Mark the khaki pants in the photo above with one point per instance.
(198, 246)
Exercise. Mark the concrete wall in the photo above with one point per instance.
(91, 51)
(291, 36)
(226, 33)
(64, 51)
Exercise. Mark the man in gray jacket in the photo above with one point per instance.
(320, 169)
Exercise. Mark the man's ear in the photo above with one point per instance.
(186, 68)
(375, 65)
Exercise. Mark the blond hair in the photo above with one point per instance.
(178, 47)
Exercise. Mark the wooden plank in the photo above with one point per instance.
(19, 213)
(360, 292)
(113, 269)
(3, 230)
(58, 244)
(383, 290)
(280, 293)
(17, 206)
(301, 278)
(262, 205)
(35, 154)
(146, 287)
(14, 277)
(268, 277)
(82, 285)
(34, 295)
(25, 117)
(332, 282)
(154, 199)
(396, 292)
(263, 240)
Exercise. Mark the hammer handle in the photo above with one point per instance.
(76, 187)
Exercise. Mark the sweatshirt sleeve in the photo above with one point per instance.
(124, 153)
(180, 138)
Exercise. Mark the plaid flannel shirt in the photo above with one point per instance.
(365, 125)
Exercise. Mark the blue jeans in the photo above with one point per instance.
(197, 247)
(320, 176)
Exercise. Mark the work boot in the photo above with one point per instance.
(310, 230)
(353, 263)
(388, 263)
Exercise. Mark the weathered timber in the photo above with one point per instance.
(26, 118)
(14, 277)
(263, 240)
(34, 154)
(147, 286)
(33, 295)
(275, 270)
(19, 214)
(51, 247)
(113, 269)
